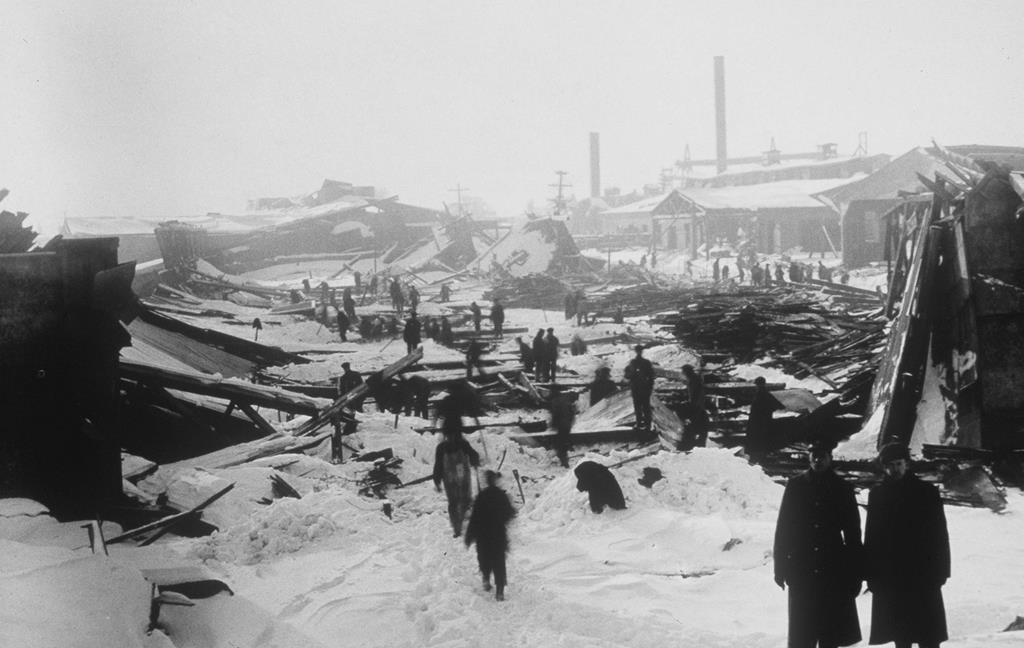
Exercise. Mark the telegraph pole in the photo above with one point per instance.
(560, 201)
(458, 191)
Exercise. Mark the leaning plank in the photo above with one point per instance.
(227, 388)
(171, 519)
(343, 401)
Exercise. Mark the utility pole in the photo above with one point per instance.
(560, 201)
(458, 191)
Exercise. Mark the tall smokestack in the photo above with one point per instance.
(720, 113)
(595, 165)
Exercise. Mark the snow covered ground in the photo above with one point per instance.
(688, 563)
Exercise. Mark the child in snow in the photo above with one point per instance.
(492, 511)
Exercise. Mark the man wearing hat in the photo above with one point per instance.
(818, 554)
(349, 381)
(906, 546)
(640, 376)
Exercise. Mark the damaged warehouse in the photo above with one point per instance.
(399, 327)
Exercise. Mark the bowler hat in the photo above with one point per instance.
(893, 452)
(821, 445)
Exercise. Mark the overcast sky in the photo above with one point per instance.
(167, 108)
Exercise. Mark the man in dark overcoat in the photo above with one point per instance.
(818, 554)
(906, 545)
(640, 376)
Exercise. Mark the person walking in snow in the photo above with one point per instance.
(492, 511)
(454, 460)
(906, 546)
(640, 376)
(818, 554)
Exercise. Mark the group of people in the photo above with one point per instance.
(542, 356)
(904, 556)
(497, 317)
(455, 460)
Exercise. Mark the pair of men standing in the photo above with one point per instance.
(904, 558)
(545, 355)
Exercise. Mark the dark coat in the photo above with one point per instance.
(492, 511)
(412, 333)
(600, 484)
(906, 546)
(818, 554)
(760, 425)
(640, 374)
(498, 314)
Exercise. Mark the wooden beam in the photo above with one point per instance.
(255, 417)
(171, 520)
(324, 417)
(229, 388)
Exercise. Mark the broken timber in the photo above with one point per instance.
(230, 388)
(336, 408)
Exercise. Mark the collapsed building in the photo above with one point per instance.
(951, 372)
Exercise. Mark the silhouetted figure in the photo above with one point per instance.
(577, 346)
(412, 334)
(391, 327)
(540, 357)
(348, 304)
(492, 511)
(760, 437)
(716, 270)
(796, 272)
(414, 298)
(366, 328)
(602, 386)
(697, 430)
(600, 485)
(551, 354)
(257, 326)
(570, 304)
(397, 299)
(780, 276)
(343, 325)
(618, 318)
(563, 414)
(454, 461)
(446, 293)
(358, 278)
(348, 381)
(581, 307)
(477, 316)
(474, 353)
(415, 395)
(640, 376)
(374, 285)
(447, 337)
(498, 317)
(525, 354)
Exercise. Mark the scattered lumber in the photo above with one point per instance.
(336, 408)
(165, 524)
(231, 389)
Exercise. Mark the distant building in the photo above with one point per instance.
(862, 204)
